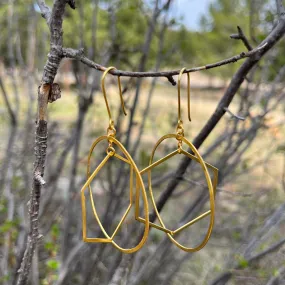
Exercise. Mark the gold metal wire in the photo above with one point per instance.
(188, 94)
(104, 92)
(111, 152)
(211, 186)
(110, 238)
(179, 136)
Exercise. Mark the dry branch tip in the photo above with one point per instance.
(234, 115)
(171, 80)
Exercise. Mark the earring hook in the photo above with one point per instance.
(188, 94)
(105, 96)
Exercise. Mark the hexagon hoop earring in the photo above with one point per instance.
(111, 152)
(179, 136)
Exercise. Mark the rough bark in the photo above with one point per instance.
(50, 70)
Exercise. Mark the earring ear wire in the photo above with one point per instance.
(188, 93)
(104, 92)
(125, 158)
(179, 136)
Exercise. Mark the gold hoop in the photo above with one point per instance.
(129, 160)
(179, 136)
(211, 186)
(111, 152)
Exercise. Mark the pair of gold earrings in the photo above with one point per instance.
(111, 152)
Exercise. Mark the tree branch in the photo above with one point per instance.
(278, 278)
(45, 10)
(234, 115)
(55, 23)
(11, 113)
(235, 84)
(242, 37)
(280, 8)
(226, 276)
(79, 55)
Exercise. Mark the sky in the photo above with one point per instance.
(191, 10)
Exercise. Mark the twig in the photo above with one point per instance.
(45, 10)
(283, 174)
(71, 3)
(270, 249)
(8, 104)
(79, 55)
(252, 245)
(278, 278)
(7, 160)
(235, 84)
(233, 115)
(226, 276)
(242, 37)
(50, 70)
(71, 257)
(280, 8)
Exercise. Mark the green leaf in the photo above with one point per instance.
(55, 230)
(243, 263)
(275, 272)
(7, 226)
(49, 245)
(53, 264)
(4, 278)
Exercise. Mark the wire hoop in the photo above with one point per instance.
(90, 176)
(211, 187)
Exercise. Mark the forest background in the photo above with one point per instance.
(246, 144)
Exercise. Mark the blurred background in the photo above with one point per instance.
(246, 246)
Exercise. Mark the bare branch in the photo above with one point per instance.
(233, 115)
(242, 37)
(235, 84)
(71, 3)
(270, 249)
(50, 70)
(278, 278)
(78, 54)
(226, 276)
(8, 104)
(280, 8)
(45, 10)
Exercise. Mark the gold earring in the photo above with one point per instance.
(111, 152)
(179, 136)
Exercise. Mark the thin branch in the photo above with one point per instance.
(50, 70)
(71, 3)
(226, 276)
(233, 115)
(45, 10)
(242, 37)
(78, 55)
(8, 104)
(278, 278)
(235, 84)
(280, 8)
(270, 249)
